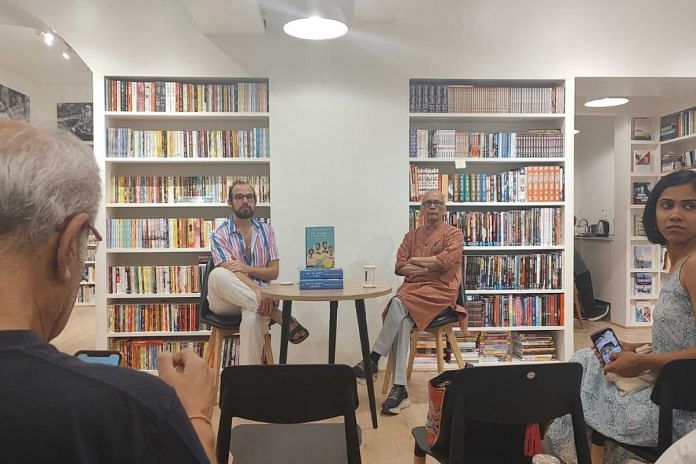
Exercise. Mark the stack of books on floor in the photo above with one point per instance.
(494, 346)
(321, 279)
(533, 346)
(468, 344)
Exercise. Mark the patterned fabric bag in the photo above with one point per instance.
(440, 410)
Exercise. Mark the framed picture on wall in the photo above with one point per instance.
(643, 256)
(13, 104)
(76, 118)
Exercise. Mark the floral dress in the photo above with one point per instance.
(632, 418)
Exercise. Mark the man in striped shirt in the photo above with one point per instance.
(246, 258)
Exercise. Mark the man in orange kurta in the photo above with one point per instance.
(430, 259)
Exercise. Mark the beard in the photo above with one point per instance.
(244, 212)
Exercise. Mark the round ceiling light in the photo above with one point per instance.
(606, 102)
(315, 28)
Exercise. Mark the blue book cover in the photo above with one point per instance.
(320, 273)
(319, 246)
(321, 284)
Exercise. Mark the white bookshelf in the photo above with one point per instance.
(153, 164)
(627, 318)
(510, 122)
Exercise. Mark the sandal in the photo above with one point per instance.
(298, 334)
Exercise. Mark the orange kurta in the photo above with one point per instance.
(426, 295)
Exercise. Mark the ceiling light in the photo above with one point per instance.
(606, 102)
(66, 55)
(576, 131)
(315, 20)
(48, 38)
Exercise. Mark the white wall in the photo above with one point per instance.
(594, 168)
(339, 109)
(43, 97)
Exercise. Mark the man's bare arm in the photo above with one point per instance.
(408, 270)
(431, 263)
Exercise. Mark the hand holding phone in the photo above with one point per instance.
(606, 343)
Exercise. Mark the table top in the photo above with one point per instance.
(351, 291)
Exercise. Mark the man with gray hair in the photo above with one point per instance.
(57, 408)
(430, 259)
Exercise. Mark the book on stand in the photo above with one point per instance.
(319, 243)
(643, 256)
(642, 311)
(641, 162)
(642, 284)
(641, 192)
(641, 129)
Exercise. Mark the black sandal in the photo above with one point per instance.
(297, 334)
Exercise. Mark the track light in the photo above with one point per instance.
(48, 38)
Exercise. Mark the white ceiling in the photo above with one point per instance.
(23, 51)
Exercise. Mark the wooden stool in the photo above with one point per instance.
(577, 305)
(441, 326)
(213, 350)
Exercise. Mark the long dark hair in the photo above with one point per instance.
(685, 176)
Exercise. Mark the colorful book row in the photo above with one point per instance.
(526, 184)
(142, 354)
(430, 97)
(515, 310)
(131, 143)
(524, 227)
(678, 124)
(514, 271)
(161, 232)
(450, 143)
(130, 280)
(168, 96)
(204, 189)
(156, 317)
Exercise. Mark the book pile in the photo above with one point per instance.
(468, 345)
(495, 345)
(321, 279)
(533, 346)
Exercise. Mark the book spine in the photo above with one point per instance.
(314, 274)
(321, 284)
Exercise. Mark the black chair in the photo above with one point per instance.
(441, 325)
(506, 398)
(221, 326)
(287, 396)
(674, 389)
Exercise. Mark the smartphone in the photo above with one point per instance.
(110, 358)
(606, 343)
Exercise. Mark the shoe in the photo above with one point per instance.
(396, 401)
(359, 371)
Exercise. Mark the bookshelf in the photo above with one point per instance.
(170, 147)
(86, 292)
(484, 143)
(642, 283)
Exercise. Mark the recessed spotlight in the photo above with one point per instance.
(315, 28)
(606, 102)
(66, 55)
(48, 38)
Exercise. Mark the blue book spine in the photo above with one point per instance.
(318, 273)
(321, 284)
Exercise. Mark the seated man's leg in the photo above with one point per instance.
(398, 396)
(229, 296)
(390, 329)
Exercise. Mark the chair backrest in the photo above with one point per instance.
(461, 298)
(518, 394)
(288, 394)
(204, 306)
(674, 389)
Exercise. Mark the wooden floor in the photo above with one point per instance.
(391, 443)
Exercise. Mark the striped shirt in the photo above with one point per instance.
(227, 243)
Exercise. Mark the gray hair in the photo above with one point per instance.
(46, 176)
(437, 192)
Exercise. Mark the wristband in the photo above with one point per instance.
(201, 417)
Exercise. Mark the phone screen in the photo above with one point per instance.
(606, 343)
(108, 358)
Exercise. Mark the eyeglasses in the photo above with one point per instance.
(435, 203)
(95, 236)
(248, 197)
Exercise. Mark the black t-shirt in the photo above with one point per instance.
(55, 408)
